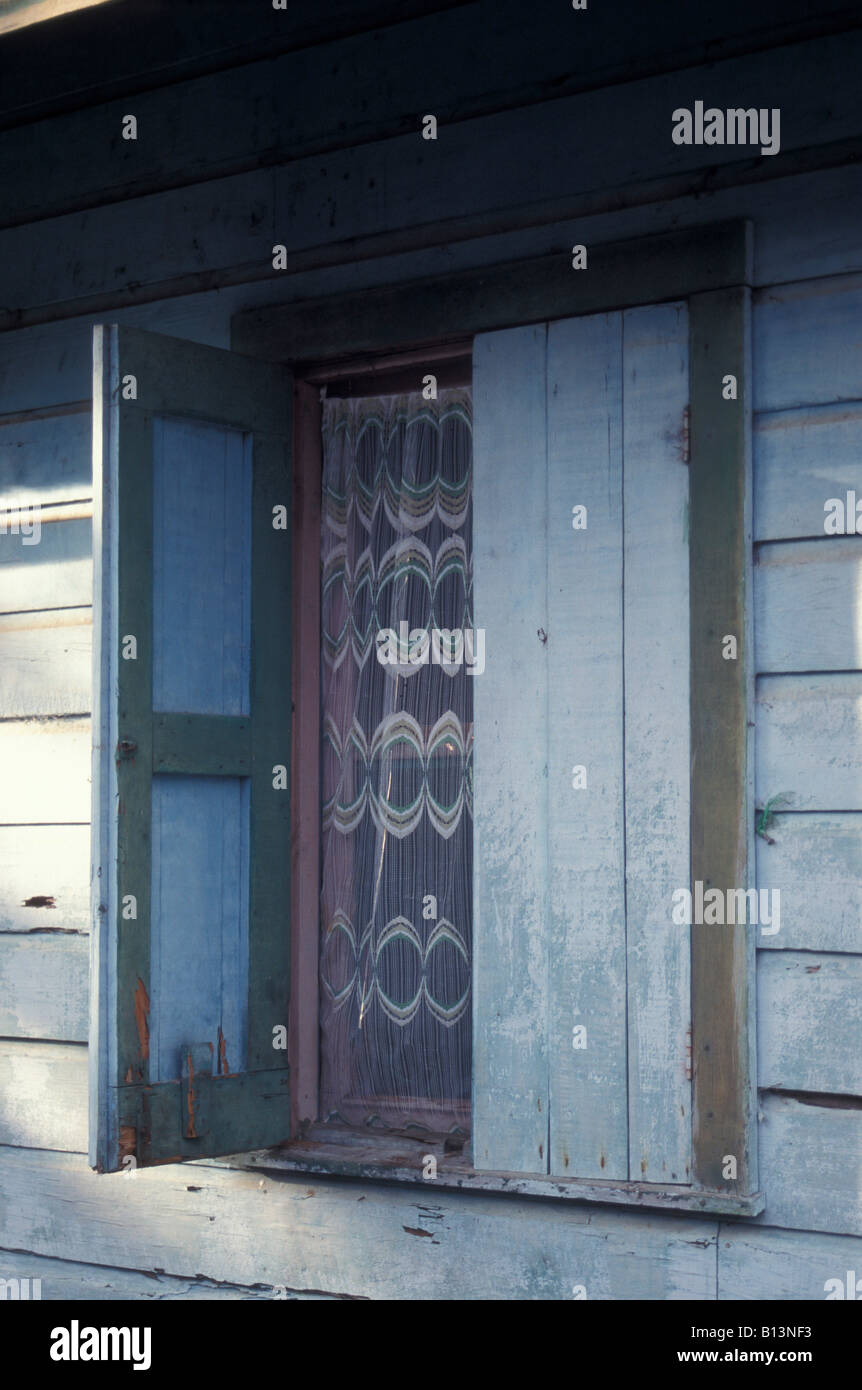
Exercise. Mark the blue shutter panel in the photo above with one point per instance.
(191, 825)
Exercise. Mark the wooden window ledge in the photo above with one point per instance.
(330, 1152)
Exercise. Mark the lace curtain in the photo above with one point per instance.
(396, 918)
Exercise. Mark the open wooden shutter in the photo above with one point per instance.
(191, 751)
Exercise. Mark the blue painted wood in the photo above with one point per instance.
(510, 1020)
(806, 343)
(815, 862)
(267, 1227)
(583, 726)
(657, 738)
(174, 509)
(208, 225)
(53, 572)
(809, 741)
(201, 609)
(758, 1265)
(46, 459)
(199, 932)
(803, 457)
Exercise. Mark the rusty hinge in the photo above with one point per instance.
(688, 1069)
(126, 749)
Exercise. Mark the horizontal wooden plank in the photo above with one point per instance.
(71, 1280)
(808, 605)
(43, 1097)
(809, 1018)
(308, 101)
(815, 862)
(401, 192)
(809, 741)
(48, 865)
(344, 1237)
(46, 459)
(810, 1160)
(202, 744)
(54, 572)
(802, 458)
(43, 986)
(808, 343)
(45, 662)
(774, 1266)
(46, 765)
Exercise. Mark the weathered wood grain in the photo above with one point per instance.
(56, 572)
(807, 343)
(316, 1234)
(45, 661)
(657, 738)
(763, 1265)
(46, 766)
(45, 861)
(803, 457)
(224, 229)
(809, 741)
(43, 987)
(583, 727)
(311, 100)
(43, 1102)
(815, 863)
(722, 962)
(808, 605)
(809, 1009)
(51, 363)
(811, 1156)
(72, 1280)
(510, 907)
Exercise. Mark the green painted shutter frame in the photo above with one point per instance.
(191, 751)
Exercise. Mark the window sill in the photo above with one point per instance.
(385, 1158)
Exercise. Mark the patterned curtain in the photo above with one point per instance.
(396, 918)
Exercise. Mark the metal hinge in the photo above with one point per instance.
(688, 1068)
(126, 749)
(685, 437)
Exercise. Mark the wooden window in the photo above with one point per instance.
(602, 388)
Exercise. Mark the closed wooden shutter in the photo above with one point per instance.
(582, 747)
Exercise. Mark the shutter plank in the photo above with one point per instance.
(510, 1057)
(657, 785)
(584, 723)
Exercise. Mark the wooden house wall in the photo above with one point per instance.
(181, 258)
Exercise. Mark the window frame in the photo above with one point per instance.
(431, 319)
